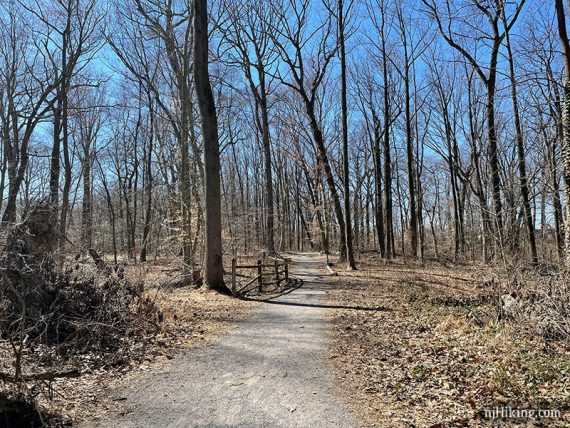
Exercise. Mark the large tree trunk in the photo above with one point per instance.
(493, 158)
(379, 210)
(490, 85)
(452, 163)
(214, 271)
(479, 190)
(317, 208)
(148, 185)
(565, 141)
(346, 172)
(409, 142)
(565, 125)
(324, 163)
(529, 221)
(266, 140)
(551, 144)
(389, 230)
(16, 172)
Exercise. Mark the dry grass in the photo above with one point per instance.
(194, 316)
(434, 356)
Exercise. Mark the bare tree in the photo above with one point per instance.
(519, 141)
(28, 90)
(381, 26)
(341, 15)
(565, 142)
(493, 13)
(166, 63)
(294, 42)
(250, 46)
(88, 114)
(214, 270)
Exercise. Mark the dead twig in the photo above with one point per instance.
(40, 376)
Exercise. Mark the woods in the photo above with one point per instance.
(348, 127)
(158, 156)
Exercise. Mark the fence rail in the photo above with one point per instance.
(277, 271)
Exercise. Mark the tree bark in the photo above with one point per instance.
(214, 271)
(346, 172)
(529, 221)
(565, 141)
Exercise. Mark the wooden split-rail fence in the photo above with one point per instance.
(276, 273)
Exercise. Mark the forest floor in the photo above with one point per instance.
(269, 371)
(389, 345)
(434, 354)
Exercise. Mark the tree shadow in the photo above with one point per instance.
(271, 300)
(330, 306)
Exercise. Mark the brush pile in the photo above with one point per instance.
(51, 316)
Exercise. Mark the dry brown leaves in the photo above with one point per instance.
(433, 355)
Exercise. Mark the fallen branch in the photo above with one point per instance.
(332, 272)
(40, 376)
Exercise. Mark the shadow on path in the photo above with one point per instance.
(313, 283)
(270, 371)
(321, 305)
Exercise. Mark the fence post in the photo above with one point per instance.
(276, 273)
(259, 276)
(234, 264)
(286, 273)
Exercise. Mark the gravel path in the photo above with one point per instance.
(268, 372)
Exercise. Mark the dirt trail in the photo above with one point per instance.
(270, 371)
